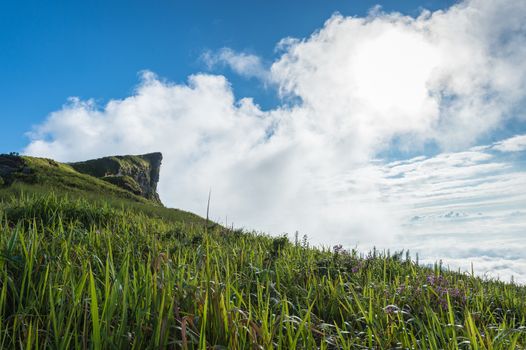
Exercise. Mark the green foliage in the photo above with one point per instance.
(49, 175)
(30, 203)
(124, 182)
(61, 186)
(62, 178)
(110, 165)
(80, 273)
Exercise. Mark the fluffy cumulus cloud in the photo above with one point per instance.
(352, 90)
(450, 75)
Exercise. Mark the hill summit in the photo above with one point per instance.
(132, 177)
(138, 174)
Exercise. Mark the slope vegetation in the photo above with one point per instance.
(91, 266)
(39, 177)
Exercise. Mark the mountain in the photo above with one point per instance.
(129, 180)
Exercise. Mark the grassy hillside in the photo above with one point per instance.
(111, 271)
(48, 176)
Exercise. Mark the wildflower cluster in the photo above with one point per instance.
(442, 288)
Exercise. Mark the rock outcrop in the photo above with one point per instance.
(138, 174)
(11, 165)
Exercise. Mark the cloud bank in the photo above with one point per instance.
(353, 89)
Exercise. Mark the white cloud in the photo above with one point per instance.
(247, 65)
(448, 77)
(514, 144)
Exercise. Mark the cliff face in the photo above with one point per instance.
(138, 174)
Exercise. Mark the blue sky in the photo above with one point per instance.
(399, 126)
(96, 49)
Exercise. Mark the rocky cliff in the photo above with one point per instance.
(138, 174)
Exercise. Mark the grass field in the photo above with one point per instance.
(96, 271)
(75, 274)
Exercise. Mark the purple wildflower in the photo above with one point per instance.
(338, 248)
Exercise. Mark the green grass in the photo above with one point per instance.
(85, 264)
(77, 273)
(47, 174)
(61, 180)
(99, 167)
